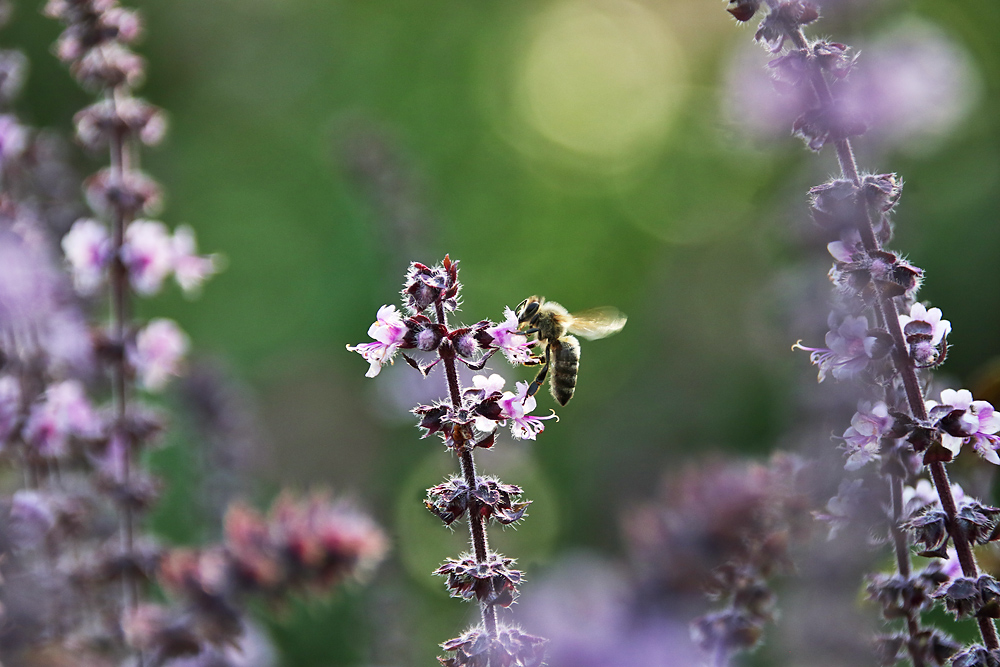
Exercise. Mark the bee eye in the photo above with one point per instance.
(528, 311)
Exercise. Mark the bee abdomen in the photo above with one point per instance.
(565, 366)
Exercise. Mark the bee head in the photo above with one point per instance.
(527, 309)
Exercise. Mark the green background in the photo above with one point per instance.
(578, 150)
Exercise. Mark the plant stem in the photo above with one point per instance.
(477, 530)
(120, 219)
(903, 363)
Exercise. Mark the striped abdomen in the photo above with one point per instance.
(565, 364)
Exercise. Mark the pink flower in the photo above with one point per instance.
(977, 424)
(63, 413)
(516, 408)
(848, 352)
(937, 328)
(87, 248)
(389, 330)
(509, 340)
(190, 269)
(158, 353)
(148, 255)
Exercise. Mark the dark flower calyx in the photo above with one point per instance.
(783, 20)
(833, 205)
(966, 597)
(743, 10)
(491, 582)
(425, 285)
(834, 58)
(882, 191)
(930, 647)
(822, 125)
(900, 596)
(497, 500)
(978, 522)
(930, 530)
(422, 333)
(977, 656)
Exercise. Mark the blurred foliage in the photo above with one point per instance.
(578, 149)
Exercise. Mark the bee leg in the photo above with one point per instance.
(540, 378)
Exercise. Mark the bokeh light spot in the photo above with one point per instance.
(600, 78)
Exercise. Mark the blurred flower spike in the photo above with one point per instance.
(302, 544)
(149, 254)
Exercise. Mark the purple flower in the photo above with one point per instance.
(158, 353)
(509, 340)
(64, 412)
(190, 269)
(863, 437)
(976, 423)
(148, 255)
(516, 408)
(849, 348)
(87, 248)
(389, 330)
(10, 406)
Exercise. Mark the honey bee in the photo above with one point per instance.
(553, 324)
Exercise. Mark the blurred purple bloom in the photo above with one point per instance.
(849, 348)
(389, 330)
(13, 139)
(864, 436)
(190, 269)
(87, 247)
(64, 412)
(148, 255)
(38, 319)
(158, 353)
(915, 85)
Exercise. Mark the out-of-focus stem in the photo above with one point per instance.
(901, 358)
(477, 530)
(120, 160)
(903, 565)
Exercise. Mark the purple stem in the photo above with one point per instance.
(477, 530)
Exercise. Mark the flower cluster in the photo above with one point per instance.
(468, 419)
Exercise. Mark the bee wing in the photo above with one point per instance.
(597, 322)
